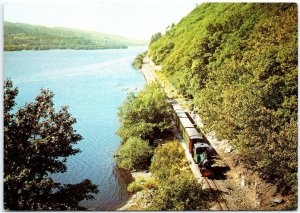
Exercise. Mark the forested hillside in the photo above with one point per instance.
(238, 64)
(19, 36)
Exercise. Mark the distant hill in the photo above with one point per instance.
(18, 36)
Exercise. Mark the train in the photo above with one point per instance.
(198, 147)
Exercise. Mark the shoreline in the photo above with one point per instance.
(17, 50)
(135, 199)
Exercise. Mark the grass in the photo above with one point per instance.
(135, 187)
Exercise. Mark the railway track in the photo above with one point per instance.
(221, 202)
(150, 76)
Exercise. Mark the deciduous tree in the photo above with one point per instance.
(145, 115)
(37, 142)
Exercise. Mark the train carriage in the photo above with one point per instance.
(180, 115)
(192, 137)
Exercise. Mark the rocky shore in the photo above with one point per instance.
(140, 200)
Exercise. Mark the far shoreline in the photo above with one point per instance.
(112, 48)
(16, 50)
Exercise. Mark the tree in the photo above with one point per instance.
(145, 115)
(238, 63)
(155, 37)
(180, 193)
(37, 142)
(134, 154)
(168, 160)
(178, 190)
(138, 61)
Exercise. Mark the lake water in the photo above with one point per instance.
(93, 83)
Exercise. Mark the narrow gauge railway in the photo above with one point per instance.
(199, 149)
(222, 203)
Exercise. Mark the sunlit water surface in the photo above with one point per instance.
(93, 83)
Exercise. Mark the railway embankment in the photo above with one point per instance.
(241, 188)
(148, 69)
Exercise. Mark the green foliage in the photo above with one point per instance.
(180, 194)
(134, 154)
(68, 196)
(134, 187)
(155, 37)
(138, 61)
(145, 115)
(151, 183)
(30, 37)
(141, 184)
(238, 64)
(168, 160)
(178, 190)
(143, 118)
(37, 142)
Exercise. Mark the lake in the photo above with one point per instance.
(93, 83)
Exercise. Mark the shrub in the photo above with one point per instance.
(138, 61)
(145, 115)
(168, 160)
(151, 183)
(180, 193)
(177, 189)
(134, 187)
(134, 154)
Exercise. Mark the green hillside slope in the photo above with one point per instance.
(19, 36)
(238, 63)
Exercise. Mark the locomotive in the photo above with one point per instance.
(198, 148)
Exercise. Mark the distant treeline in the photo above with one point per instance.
(238, 65)
(19, 36)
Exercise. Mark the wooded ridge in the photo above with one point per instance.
(18, 36)
(237, 64)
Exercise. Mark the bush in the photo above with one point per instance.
(134, 154)
(168, 160)
(151, 183)
(138, 61)
(134, 187)
(177, 189)
(145, 115)
(180, 193)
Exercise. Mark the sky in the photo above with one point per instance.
(131, 18)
